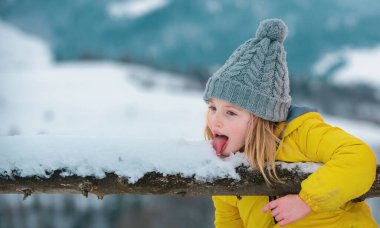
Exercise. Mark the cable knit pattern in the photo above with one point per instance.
(255, 76)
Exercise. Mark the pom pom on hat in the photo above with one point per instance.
(273, 29)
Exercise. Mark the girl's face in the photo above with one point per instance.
(229, 125)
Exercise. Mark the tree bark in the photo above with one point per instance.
(153, 183)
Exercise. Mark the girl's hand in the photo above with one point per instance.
(287, 209)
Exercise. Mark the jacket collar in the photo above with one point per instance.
(297, 115)
(296, 111)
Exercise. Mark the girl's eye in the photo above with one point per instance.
(231, 113)
(212, 108)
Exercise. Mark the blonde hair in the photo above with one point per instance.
(260, 147)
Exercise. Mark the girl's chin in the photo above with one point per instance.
(227, 153)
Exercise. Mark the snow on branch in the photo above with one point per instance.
(104, 166)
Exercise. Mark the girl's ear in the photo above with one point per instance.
(253, 118)
(250, 123)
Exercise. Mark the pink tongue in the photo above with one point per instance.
(218, 144)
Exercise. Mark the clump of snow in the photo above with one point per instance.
(327, 62)
(237, 159)
(359, 65)
(126, 157)
(135, 8)
(362, 66)
(304, 167)
(16, 48)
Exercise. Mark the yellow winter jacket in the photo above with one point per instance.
(348, 172)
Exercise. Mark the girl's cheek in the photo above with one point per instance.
(238, 129)
(240, 132)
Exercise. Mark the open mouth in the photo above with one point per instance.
(219, 143)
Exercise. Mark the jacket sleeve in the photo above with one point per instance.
(226, 215)
(349, 165)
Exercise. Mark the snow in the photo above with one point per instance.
(93, 99)
(304, 167)
(360, 65)
(326, 63)
(135, 8)
(94, 156)
(15, 50)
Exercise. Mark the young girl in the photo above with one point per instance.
(250, 111)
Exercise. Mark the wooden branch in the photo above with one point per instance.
(251, 183)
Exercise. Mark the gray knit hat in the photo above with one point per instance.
(255, 76)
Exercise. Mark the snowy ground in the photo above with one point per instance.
(105, 99)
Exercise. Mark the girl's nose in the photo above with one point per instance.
(217, 121)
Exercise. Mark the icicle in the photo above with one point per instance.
(183, 193)
(86, 187)
(100, 197)
(26, 191)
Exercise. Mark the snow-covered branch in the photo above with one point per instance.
(116, 165)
